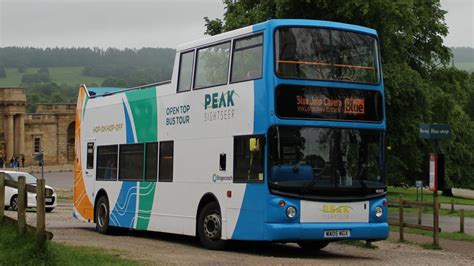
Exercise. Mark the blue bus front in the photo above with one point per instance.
(324, 135)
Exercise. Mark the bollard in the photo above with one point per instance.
(452, 205)
(400, 217)
(40, 214)
(419, 215)
(461, 220)
(21, 205)
(2, 196)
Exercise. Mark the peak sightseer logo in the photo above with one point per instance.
(338, 212)
(219, 106)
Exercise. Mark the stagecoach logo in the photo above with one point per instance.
(336, 212)
(219, 106)
(216, 177)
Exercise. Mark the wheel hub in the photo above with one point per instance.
(14, 203)
(212, 226)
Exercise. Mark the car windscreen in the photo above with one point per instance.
(30, 179)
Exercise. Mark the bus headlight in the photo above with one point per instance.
(291, 212)
(378, 211)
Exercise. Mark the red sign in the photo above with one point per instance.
(434, 172)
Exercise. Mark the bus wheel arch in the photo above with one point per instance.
(209, 222)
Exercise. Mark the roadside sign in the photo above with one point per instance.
(435, 131)
(418, 183)
(433, 172)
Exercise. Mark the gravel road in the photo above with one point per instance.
(159, 248)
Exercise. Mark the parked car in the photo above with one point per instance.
(11, 194)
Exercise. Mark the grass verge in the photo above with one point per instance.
(22, 251)
(410, 194)
(467, 214)
(443, 235)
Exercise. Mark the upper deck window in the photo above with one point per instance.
(212, 65)
(247, 59)
(326, 54)
(185, 71)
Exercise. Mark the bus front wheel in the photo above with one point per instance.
(102, 215)
(209, 229)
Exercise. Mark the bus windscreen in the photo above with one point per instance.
(326, 54)
(306, 102)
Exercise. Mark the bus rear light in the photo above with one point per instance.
(281, 203)
(229, 193)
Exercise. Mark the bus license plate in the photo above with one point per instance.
(337, 233)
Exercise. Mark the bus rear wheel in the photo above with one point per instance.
(313, 245)
(209, 228)
(102, 215)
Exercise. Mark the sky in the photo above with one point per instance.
(146, 23)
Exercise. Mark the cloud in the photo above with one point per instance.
(104, 23)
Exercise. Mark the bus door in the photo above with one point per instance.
(90, 166)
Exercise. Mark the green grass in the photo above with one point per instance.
(60, 75)
(444, 235)
(22, 251)
(410, 194)
(467, 214)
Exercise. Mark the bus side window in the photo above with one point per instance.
(248, 158)
(247, 59)
(131, 161)
(166, 161)
(185, 71)
(212, 66)
(151, 167)
(90, 155)
(107, 163)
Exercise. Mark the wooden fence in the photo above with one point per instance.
(23, 188)
(435, 228)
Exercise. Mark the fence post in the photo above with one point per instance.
(461, 220)
(21, 205)
(2, 196)
(452, 205)
(400, 217)
(419, 215)
(436, 221)
(40, 214)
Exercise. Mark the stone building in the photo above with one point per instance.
(50, 129)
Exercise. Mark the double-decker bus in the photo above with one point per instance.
(272, 132)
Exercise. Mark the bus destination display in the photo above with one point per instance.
(328, 103)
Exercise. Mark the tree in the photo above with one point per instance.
(419, 89)
(402, 25)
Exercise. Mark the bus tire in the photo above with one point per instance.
(313, 245)
(102, 212)
(209, 228)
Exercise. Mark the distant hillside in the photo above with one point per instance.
(463, 58)
(53, 74)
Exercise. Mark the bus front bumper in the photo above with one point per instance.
(316, 231)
